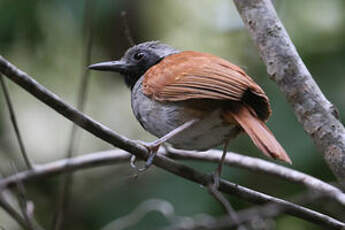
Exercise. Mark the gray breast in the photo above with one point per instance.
(159, 118)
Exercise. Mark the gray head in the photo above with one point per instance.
(137, 60)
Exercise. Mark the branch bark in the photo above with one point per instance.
(106, 134)
(99, 159)
(245, 216)
(316, 114)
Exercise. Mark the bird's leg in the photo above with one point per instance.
(154, 146)
(219, 169)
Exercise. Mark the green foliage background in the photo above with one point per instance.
(46, 39)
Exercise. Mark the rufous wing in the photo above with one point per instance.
(194, 75)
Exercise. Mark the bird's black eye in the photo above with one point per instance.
(138, 56)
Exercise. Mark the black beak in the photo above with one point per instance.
(115, 66)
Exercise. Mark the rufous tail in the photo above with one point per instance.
(258, 132)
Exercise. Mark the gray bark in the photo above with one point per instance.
(317, 115)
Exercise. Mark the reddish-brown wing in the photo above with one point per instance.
(193, 75)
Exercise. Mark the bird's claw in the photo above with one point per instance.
(216, 180)
(152, 148)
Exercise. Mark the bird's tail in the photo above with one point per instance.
(258, 132)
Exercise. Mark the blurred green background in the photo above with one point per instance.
(47, 40)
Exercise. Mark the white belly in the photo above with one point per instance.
(160, 118)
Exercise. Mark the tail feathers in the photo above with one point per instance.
(259, 133)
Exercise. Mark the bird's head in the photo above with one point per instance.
(136, 60)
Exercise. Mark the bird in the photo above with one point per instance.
(194, 100)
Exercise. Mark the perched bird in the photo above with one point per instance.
(194, 100)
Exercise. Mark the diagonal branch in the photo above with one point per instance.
(13, 213)
(106, 134)
(245, 216)
(22, 221)
(263, 166)
(99, 159)
(316, 114)
(66, 183)
(15, 123)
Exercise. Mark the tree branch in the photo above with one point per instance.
(106, 134)
(13, 213)
(98, 159)
(316, 114)
(245, 216)
(66, 183)
(15, 123)
(263, 166)
(116, 156)
(25, 223)
(161, 206)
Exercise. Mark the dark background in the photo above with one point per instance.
(47, 40)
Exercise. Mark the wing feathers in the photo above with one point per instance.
(192, 75)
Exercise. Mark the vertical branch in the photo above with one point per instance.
(67, 181)
(26, 206)
(13, 213)
(126, 29)
(14, 122)
(232, 214)
(27, 224)
(317, 115)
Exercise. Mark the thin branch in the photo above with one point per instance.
(232, 214)
(99, 159)
(66, 182)
(28, 224)
(263, 166)
(245, 216)
(14, 122)
(317, 115)
(13, 213)
(126, 29)
(124, 222)
(26, 206)
(96, 160)
(179, 169)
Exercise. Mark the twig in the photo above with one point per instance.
(66, 182)
(160, 161)
(232, 214)
(317, 115)
(267, 211)
(26, 206)
(161, 206)
(12, 212)
(14, 122)
(126, 29)
(23, 202)
(263, 166)
(91, 160)
(99, 159)
(22, 221)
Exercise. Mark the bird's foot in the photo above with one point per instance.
(152, 148)
(215, 180)
(218, 172)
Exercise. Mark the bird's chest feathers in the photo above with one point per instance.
(160, 118)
